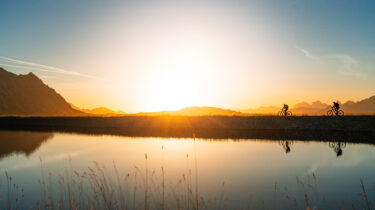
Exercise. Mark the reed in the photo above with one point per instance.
(99, 187)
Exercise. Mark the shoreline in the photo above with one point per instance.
(356, 129)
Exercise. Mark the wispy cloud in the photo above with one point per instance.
(16, 63)
(345, 62)
(306, 52)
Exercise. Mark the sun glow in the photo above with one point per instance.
(177, 84)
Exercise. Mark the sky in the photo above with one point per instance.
(165, 55)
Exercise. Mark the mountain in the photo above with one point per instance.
(102, 111)
(365, 106)
(315, 108)
(28, 95)
(263, 110)
(196, 111)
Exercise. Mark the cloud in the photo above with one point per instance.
(15, 63)
(306, 53)
(345, 62)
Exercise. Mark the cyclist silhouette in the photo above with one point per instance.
(336, 105)
(286, 107)
(335, 110)
(285, 111)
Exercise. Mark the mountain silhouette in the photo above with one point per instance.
(196, 111)
(263, 110)
(365, 106)
(102, 111)
(315, 108)
(28, 95)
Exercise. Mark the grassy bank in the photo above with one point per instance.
(348, 128)
(346, 123)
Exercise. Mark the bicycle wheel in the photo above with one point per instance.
(289, 113)
(340, 113)
(329, 112)
(332, 144)
(280, 113)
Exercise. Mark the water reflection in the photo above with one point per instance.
(249, 167)
(337, 147)
(286, 145)
(21, 142)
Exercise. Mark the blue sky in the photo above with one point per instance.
(326, 48)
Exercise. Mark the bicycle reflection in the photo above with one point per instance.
(286, 145)
(337, 147)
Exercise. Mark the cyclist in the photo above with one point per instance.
(286, 107)
(336, 105)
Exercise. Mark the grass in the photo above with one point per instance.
(345, 123)
(105, 187)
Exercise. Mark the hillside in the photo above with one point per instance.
(196, 111)
(28, 95)
(365, 106)
(102, 111)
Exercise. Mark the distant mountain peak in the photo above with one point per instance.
(5, 73)
(31, 76)
(102, 111)
(28, 95)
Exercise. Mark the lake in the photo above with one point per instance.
(51, 170)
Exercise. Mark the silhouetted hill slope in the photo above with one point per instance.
(102, 111)
(196, 111)
(263, 110)
(315, 108)
(28, 95)
(365, 106)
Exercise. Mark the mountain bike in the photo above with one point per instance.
(335, 112)
(284, 113)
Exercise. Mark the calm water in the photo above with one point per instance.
(249, 173)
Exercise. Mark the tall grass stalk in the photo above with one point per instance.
(365, 194)
(196, 175)
(163, 178)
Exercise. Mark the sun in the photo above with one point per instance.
(172, 90)
(176, 85)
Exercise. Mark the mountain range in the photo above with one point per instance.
(362, 107)
(197, 111)
(28, 95)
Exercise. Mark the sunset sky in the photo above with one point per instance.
(162, 55)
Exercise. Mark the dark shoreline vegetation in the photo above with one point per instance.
(354, 129)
